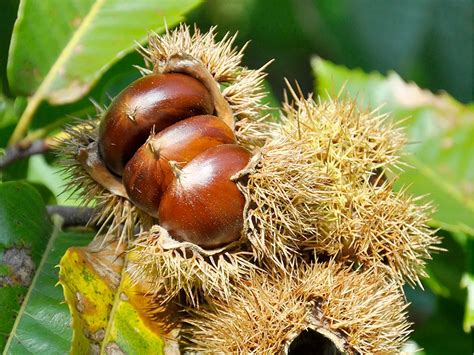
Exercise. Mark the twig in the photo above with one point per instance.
(28, 147)
(72, 216)
(17, 152)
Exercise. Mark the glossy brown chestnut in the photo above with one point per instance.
(148, 173)
(203, 205)
(157, 100)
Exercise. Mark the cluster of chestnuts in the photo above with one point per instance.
(241, 208)
(176, 158)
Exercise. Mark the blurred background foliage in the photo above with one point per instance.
(429, 42)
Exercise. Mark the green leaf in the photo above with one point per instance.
(49, 174)
(440, 131)
(24, 232)
(24, 220)
(84, 39)
(441, 333)
(59, 60)
(468, 283)
(43, 323)
(10, 301)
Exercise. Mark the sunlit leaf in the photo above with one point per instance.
(40, 171)
(60, 60)
(85, 38)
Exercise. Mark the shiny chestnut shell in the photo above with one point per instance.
(203, 205)
(148, 173)
(157, 100)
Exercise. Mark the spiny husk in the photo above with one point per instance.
(354, 143)
(170, 267)
(187, 267)
(118, 217)
(322, 186)
(377, 228)
(358, 311)
(285, 191)
(242, 87)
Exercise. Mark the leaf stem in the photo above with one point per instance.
(26, 118)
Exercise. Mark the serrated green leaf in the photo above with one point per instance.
(440, 131)
(73, 51)
(43, 324)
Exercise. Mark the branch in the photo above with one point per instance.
(31, 145)
(17, 151)
(72, 216)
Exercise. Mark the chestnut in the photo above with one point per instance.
(156, 100)
(203, 205)
(150, 170)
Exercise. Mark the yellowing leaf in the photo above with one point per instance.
(110, 314)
